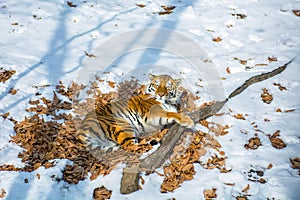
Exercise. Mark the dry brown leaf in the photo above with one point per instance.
(210, 193)
(218, 129)
(280, 86)
(296, 12)
(290, 110)
(165, 12)
(286, 111)
(70, 4)
(12, 91)
(32, 102)
(272, 59)
(228, 70)
(276, 142)
(168, 8)
(239, 116)
(239, 16)
(204, 123)
(141, 5)
(243, 62)
(101, 193)
(217, 39)
(2, 194)
(38, 176)
(111, 84)
(5, 115)
(266, 96)
(261, 64)
(253, 143)
(230, 184)
(246, 188)
(296, 164)
(270, 166)
(6, 74)
(241, 198)
(90, 55)
(262, 181)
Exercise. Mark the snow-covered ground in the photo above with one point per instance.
(46, 41)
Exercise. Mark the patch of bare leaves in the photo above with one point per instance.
(181, 167)
(277, 142)
(256, 176)
(253, 143)
(243, 62)
(218, 129)
(296, 164)
(239, 116)
(6, 74)
(266, 96)
(280, 87)
(101, 193)
(210, 194)
(167, 10)
(272, 59)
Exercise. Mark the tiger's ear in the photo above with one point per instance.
(178, 81)
(151, 76)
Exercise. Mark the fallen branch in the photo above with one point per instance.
(157, 158)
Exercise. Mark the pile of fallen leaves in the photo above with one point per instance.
(181, 166)
(44, 140)
(49, 134)
(6, 74)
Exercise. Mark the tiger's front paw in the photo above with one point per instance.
(186, 121)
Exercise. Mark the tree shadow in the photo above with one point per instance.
(54, 62)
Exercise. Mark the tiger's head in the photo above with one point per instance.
(163, 88)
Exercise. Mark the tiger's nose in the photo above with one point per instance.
(161, 94)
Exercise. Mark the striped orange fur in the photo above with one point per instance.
(122, 122)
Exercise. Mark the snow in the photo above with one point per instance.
(45, 41)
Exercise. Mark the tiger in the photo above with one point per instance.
(121, 123)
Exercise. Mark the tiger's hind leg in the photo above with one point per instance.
(91, 134)
(123, 133)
